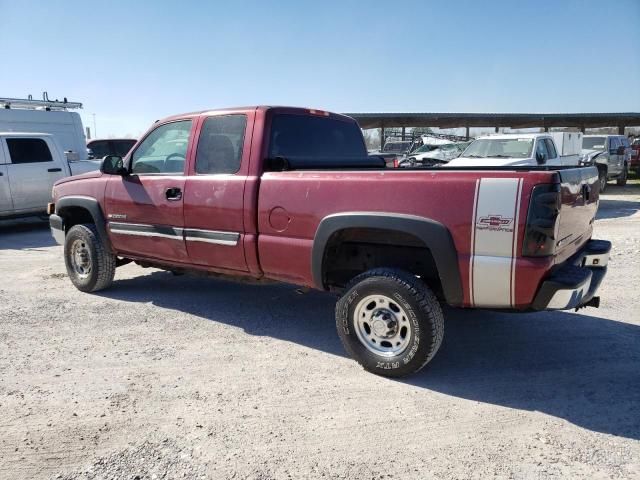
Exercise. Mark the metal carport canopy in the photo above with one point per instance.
(513, 120)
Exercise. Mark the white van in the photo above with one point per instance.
(46, 116)
(522, 149)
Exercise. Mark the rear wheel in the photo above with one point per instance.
(390, 322)
(90, 266)
(622, 179)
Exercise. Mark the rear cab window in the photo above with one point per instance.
(28, 150)
(314, 138)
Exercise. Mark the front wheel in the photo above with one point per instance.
(90, 266)
(390, 322)
(602, 177)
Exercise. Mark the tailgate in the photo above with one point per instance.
(579, 190)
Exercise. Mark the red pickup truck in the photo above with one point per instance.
(290, 194)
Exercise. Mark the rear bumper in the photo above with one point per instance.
(57, 228)
(576, 282)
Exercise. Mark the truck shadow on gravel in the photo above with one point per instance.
(584, 369)
(619, 202)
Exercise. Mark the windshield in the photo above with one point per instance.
(424, 148)
(396, 147)
(500, 148)
(593, 143)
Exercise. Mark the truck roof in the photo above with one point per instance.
(504, 136)
(283, 109)
(25, 134)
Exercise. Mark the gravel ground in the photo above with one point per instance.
(187, 377)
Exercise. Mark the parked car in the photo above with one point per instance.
(634, 164)
(393, 152)
(290, 194)
(430, 155)
(100, 148)
(30, 163)
(397, 146)
(521, 149)
(611, 154)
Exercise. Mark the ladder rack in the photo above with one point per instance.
(45, 103)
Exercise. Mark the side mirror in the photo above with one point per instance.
(541, 158)
(113, 165)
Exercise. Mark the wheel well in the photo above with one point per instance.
(74, 216)
(352, 251)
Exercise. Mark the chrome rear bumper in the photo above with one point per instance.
(576, 282)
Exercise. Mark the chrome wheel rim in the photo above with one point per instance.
(382, 325)
(80, 258)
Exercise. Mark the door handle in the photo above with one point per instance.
(173, 194)
(54, 170)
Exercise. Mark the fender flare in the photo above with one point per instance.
(93, 207)
(435, 236)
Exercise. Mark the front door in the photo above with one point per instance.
(31, 171)
(144, 209)
(214, 229)
(615, 159)
(6, 204)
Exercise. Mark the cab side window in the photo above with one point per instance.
(541, 148)
(28, 150)
(551, 148)
(164, 150)
(613, 143)
(220, 144)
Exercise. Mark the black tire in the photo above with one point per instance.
(101, 264)
(622, 179)
(602, 178)
(422, 308)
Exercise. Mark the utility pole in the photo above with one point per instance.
(95, 130)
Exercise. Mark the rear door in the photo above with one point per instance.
(145, 209)
(32, 170)
(214, 193)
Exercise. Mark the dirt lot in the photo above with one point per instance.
(172, 377)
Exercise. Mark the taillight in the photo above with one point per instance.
(542, 221)
(396, 163)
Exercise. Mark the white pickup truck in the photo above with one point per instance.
(522, 149)
(30, 163)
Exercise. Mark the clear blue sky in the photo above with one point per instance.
(133, 62)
